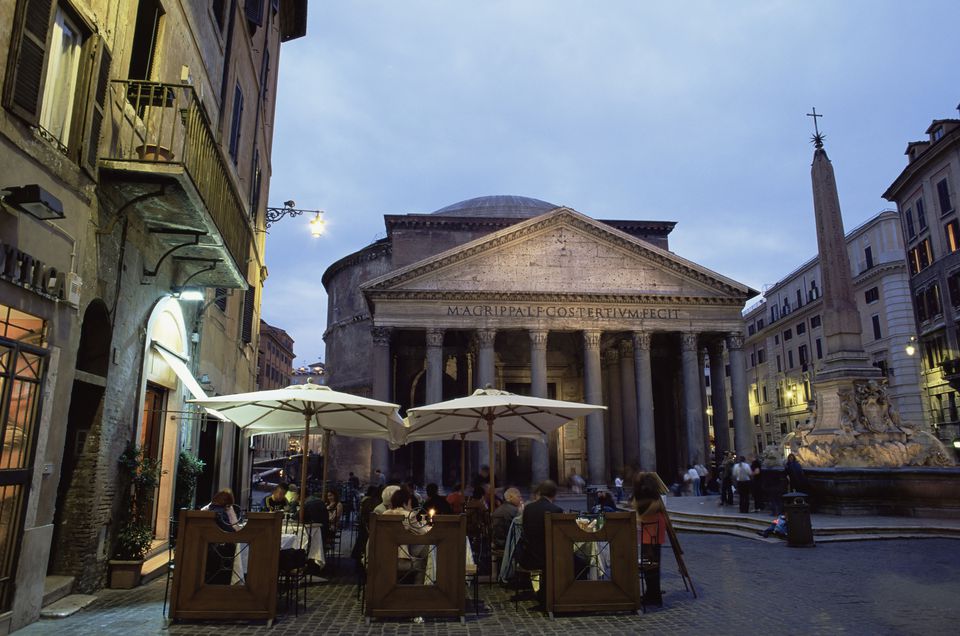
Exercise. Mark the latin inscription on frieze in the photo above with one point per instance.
(572, 312)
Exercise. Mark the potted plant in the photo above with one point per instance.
(189, 469)
(135, 533)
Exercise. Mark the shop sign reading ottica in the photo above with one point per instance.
(21, 268)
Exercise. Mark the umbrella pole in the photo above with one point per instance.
(493, 482)
(304, 456)
(463, 462)
(326, 464)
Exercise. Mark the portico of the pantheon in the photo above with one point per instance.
(543, 300)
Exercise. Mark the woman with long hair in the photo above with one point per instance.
(651, 532)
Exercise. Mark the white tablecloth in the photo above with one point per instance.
(308, 537)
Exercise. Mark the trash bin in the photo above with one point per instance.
(591, 499)
(799, 530)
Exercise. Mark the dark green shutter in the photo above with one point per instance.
(246, 327)
(23, 92)
(96, 96)
(254, 11)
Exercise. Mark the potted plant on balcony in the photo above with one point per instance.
(141, 474)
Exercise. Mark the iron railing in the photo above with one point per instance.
(154, 123)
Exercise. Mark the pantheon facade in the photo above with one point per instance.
(539, 299)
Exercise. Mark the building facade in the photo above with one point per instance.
(274, 371)
(538, 299)
(785, 348)
(926, 197)
(135, 144)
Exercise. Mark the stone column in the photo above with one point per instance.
(718, 396)
(433, 450)
(593, 394)
(742, 426)
(693, 409)
(540, 464)
(628, 404)
(381, 381)
(486, 374)
(644, 393)
(705, 421)
(614, 415)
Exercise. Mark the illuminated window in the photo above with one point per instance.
(952, 231)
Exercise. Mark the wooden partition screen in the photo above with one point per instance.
(208, 580)
(617, 590)
(444, 595)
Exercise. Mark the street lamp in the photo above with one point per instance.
(317, 224)
(911, 347)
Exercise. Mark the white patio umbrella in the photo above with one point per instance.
(490, 410)
(292, 409)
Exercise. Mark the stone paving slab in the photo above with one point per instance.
(745, 587)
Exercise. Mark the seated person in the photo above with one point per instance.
(455, 499)
(533, 555)
(276, 501)
(435, 502)
(410, 558)
(503, 516)
(219, 565)
(334, 509)
(605, 503)
(778, 528)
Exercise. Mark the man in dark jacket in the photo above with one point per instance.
(534, 550)
(435, 502)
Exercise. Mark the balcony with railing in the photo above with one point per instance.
(164, 162)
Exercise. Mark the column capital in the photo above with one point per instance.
(626, 348)
(591, 338)
(688, 341)
(486, 337)
(734, 340)
(381, 336)
(641, 340)
(434, 337)
(538, 338)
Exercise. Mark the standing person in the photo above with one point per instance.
(726, 482)
(381, 478)
(534, 551)
(692, 477)
(618, 487)
(367, 504)
(756, 485)
(482, 478)
(576, 481)
(741, 476)
(354, 482)
(651, 530)
(795, 477)
(703, 473)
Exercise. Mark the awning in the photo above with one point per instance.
(183, 373)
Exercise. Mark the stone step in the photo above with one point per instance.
(67, 606)
(55, 587)
(723, 524)
(154, 567)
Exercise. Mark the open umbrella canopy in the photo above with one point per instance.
(493, 412)
(512, 416)
(285, 411)
(301, 406)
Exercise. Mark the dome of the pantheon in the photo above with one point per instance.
(499, 206)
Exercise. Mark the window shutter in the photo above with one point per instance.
(96, 96)
(254, 11)
(23, 92)
(246, 327)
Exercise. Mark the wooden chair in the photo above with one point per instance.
(171, 554)
(292, 578)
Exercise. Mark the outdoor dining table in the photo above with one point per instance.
(307, 537)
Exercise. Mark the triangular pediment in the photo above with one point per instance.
(561, 252)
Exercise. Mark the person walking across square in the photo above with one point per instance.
(741, 475)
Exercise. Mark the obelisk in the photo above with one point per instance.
(845, 362)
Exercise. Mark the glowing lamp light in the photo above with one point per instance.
(911, 347)
(189, 294)
(956, 443)
(317, 226)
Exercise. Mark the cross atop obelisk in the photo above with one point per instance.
(818, 137)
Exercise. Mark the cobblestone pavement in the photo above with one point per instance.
(745, 587)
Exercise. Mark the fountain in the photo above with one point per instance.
(858, 456)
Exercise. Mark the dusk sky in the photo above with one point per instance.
(692, 112)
